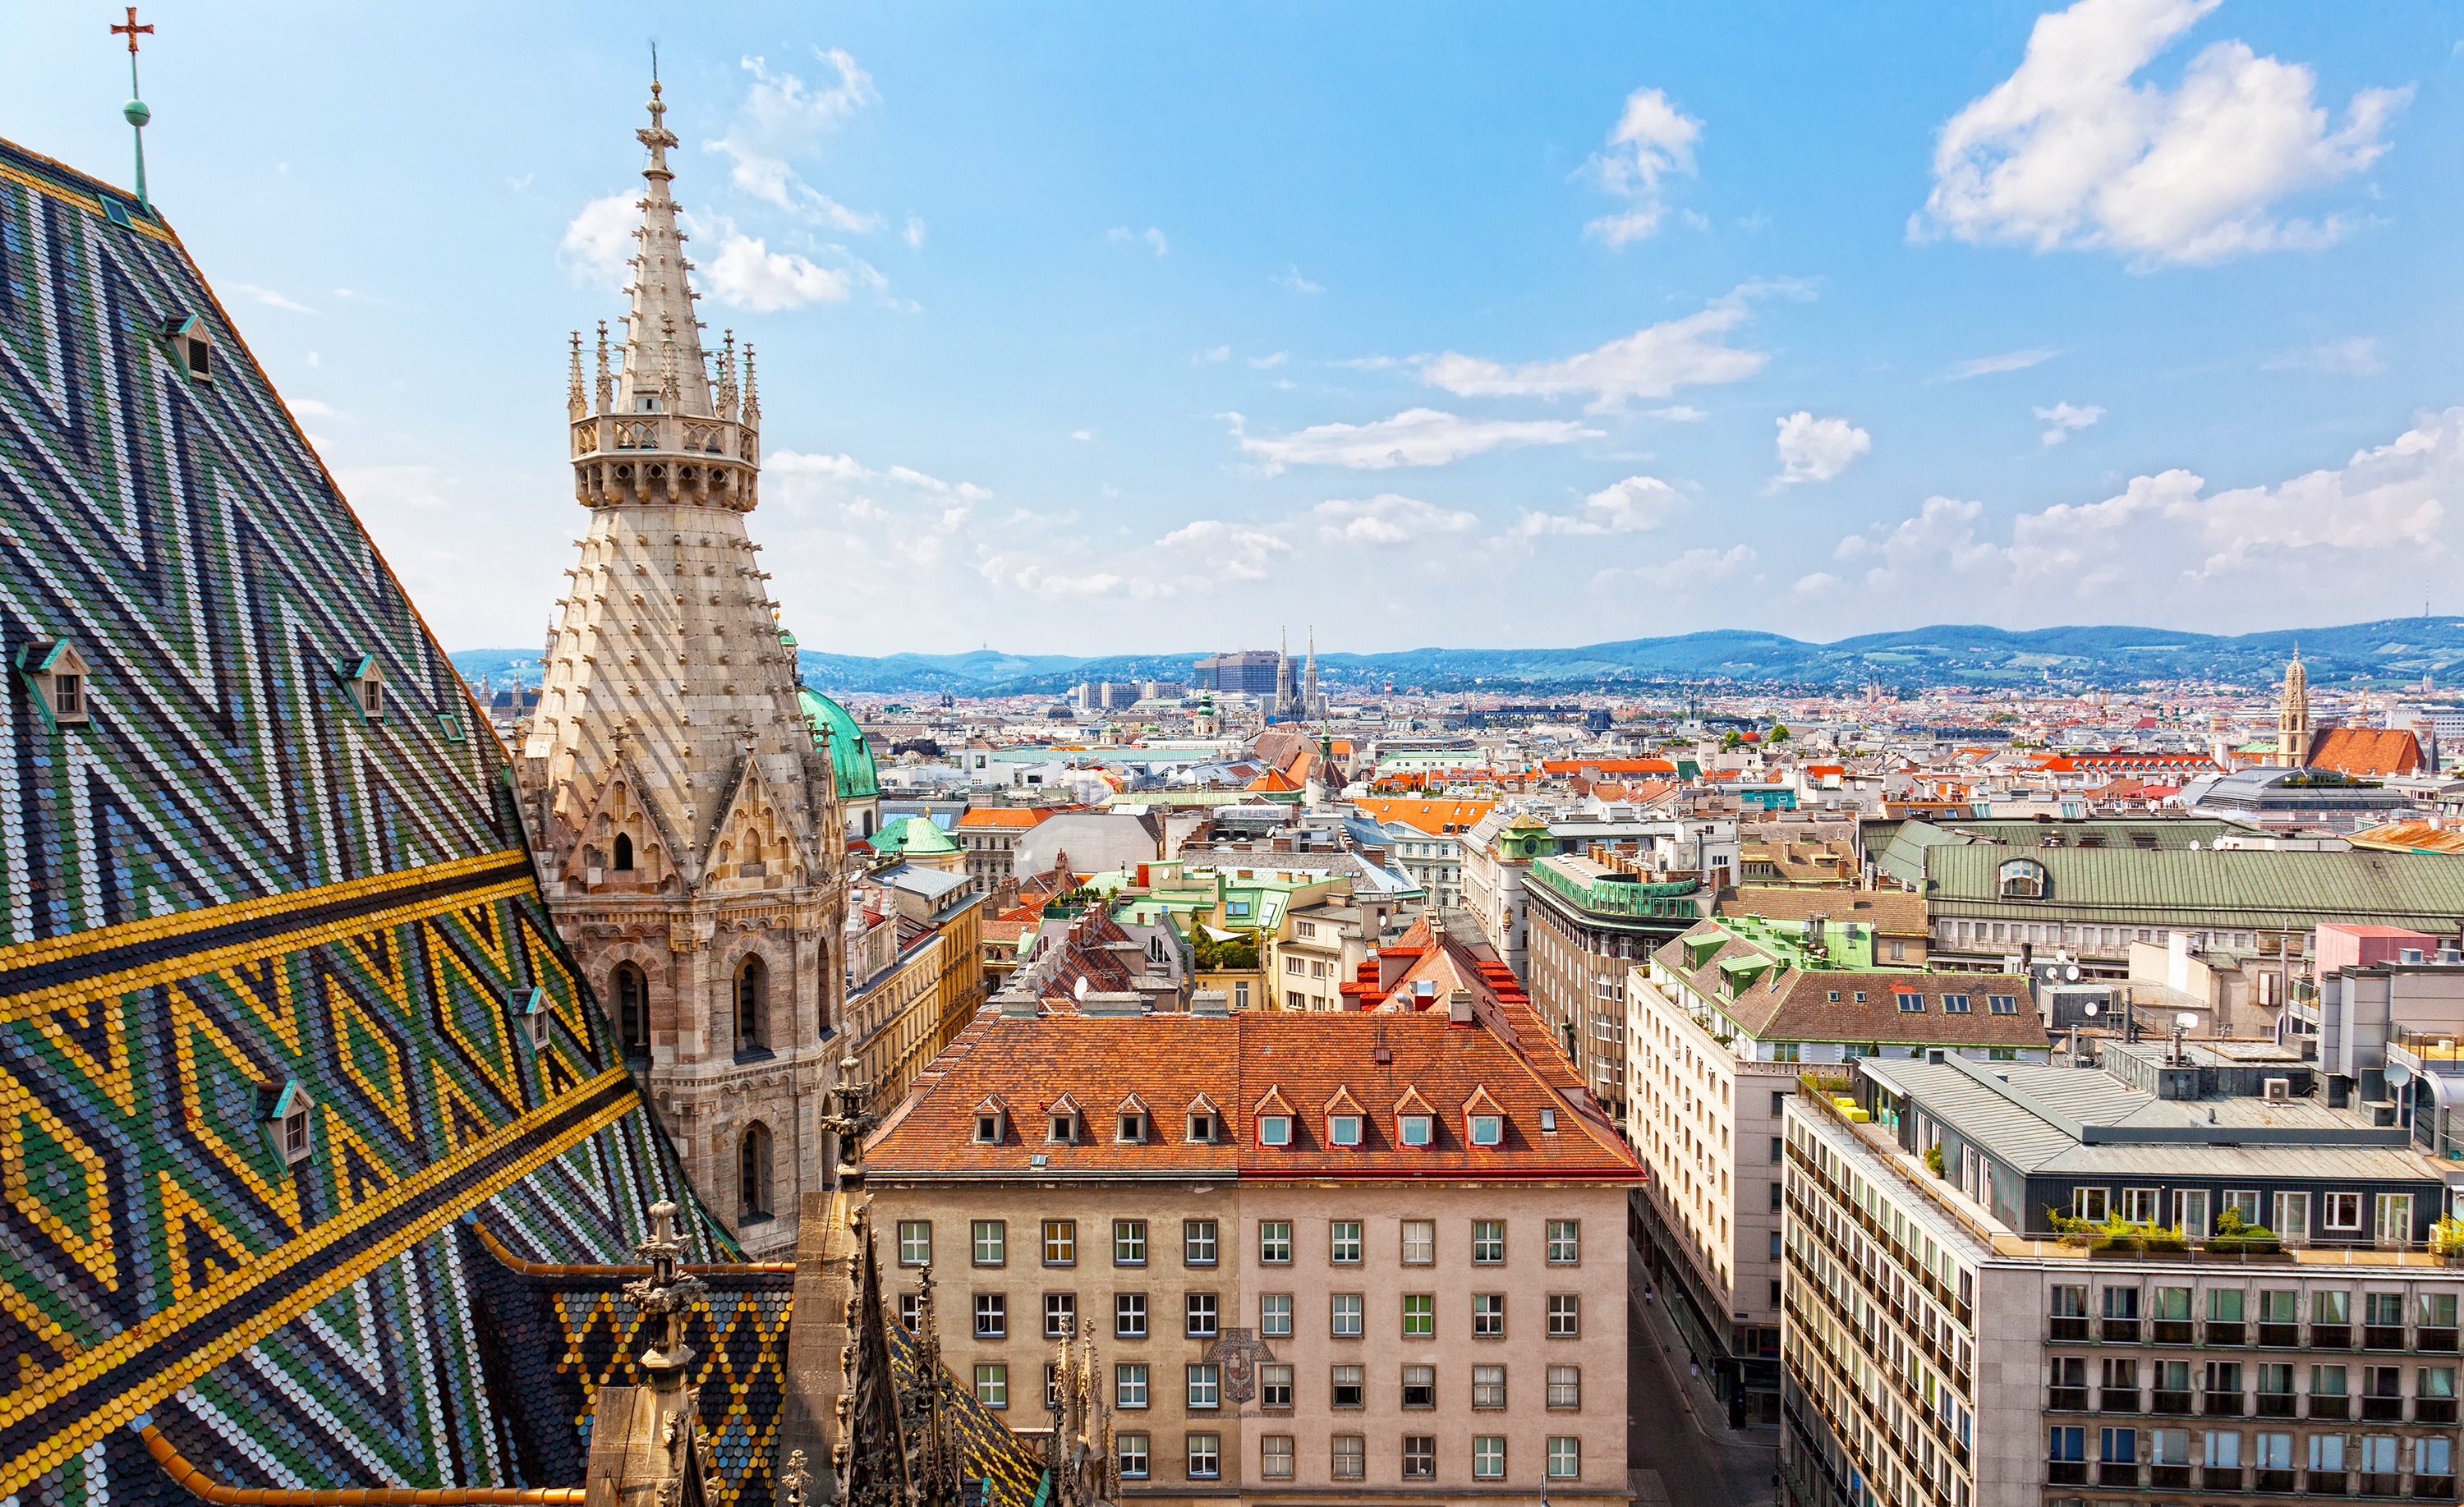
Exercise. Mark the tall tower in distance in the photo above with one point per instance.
(680, 808)
(2293, 715)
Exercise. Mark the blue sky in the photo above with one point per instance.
(1104, 328)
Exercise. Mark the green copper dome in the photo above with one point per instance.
(915, 836)
(836, 734)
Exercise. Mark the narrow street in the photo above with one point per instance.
(1686, 1456)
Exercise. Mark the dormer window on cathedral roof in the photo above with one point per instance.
(192, 345)
(56, 672)
(365, 683)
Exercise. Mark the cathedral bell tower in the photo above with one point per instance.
(681, 810)
(2293, 717)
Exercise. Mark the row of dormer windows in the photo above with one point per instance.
(1347, 1127)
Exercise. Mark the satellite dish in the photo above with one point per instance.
(1081, 992)
(2397, 1074)
(2185, 1021)
(2091, 1007)
(2071, 972)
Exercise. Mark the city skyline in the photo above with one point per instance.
(1621, 326)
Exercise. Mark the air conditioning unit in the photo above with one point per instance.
(2278, 1090)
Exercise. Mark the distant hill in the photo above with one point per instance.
(2390, 651)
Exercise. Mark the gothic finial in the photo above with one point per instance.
(606, 383)
(752, 391)
(573, 399)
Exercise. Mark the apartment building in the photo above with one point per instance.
(2273, 1320)
(1590, 920)
(1380, 1256)
(1721, 1022)
(990, 835)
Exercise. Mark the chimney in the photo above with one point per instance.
(1458, 1008)
(1391, 964)
(1210, 1002)
(1813, 931)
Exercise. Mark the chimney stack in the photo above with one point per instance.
(1458, 1008)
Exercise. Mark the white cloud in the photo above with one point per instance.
(747, 274)
(2357, 357)
(1264, 362)
(1294, 281)
(1082, 434)
(1218, 353)
(1414, 437)
(1649, 363)
(1694, 568)
(2006, 361)
(273, 300)
(781, 117)
(1631, 506)
(1388, 519)
(1817, 585)
(914, 234)
(1239, 554)
(1940, 537)
(599, 241)
(1817, 449)
(2067, 151)
(1651, 139)
(2064, 420)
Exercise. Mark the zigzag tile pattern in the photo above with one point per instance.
(228, 881)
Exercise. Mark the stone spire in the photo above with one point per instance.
(661, 335)
(1308, 703)
(681, 806)
(2293, 715)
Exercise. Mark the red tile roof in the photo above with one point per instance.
(1008, 817)
(1308, 1061)
(2365, 750)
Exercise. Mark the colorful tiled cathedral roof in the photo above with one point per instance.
(258, 861)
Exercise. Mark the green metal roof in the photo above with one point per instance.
(916, 837)
(2254, 889)
(836, 734)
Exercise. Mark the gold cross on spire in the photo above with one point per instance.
(131, 30)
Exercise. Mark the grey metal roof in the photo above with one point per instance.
(2248, 889)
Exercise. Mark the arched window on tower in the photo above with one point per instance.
(753, 1173)
(752, 1005)
(624, 852)
(631, 989)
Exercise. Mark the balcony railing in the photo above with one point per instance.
(2066, 1399)
(2224, 1405)
(2281, 1335)
(2219, 1333)
(2383, 1337)
(2330, 1407)
(2174, 1478)
(2113, 1399)
(2275, 1405)
(2221, 1478)
(2171, 1331)
(2172, 1403)
(2272, 1480)
(2433, 1410)
(2122, 1331)
(2066, 1473)
(2327, 1483)
(2440, 1340)
(2437, 1488)
(2069, 1326)
(2380, 1483)
(2331, 1337)
(2110, 1473)
(2383, 1410)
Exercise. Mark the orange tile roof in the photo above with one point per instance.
(1608, 765)
(1011, 817)
(1308, 1059)
(2365, 750)
(1275, 782)
(1428, 816)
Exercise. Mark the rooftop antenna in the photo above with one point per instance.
(135, 112)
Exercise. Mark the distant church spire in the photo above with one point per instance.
(2293, 715)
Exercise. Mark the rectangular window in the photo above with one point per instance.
(1488, 1456)
(1566, 1388)
(1060, 1315)
(915, 1242)
(1346, 1388)
(1061, 1242)
(1487, 1241)
(1419, 1242)
(1133, 1448)
(2092, 1204)
(1199, 1308)
(1206, 1386)
(2003, 1004)
(1420, 1316)
(2139, 1205)
(1489, 1386)
(1275, 1456)
(1565, 1457)
(1198, 1242)
(1910, 1004)
(992, 1322)
(1205, 1456)
(1129, 1242)
(1129, 1386)
(1954, 1004)
(1350, 1457)
(1565, 1242)
(2243, 1202)
(1420, 1456)
(2293, 1215)
(1274, 1242)
(1130, 1315)
(1344, 1309)
(1274, 1313)
(1565, 1315)
(1420, 1386)
(1274, 1386)
(1277, 1129)
(1343, 1240)
(2342, 1210)
(991, 1240)
(992, 1385)
(1488, 1315)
